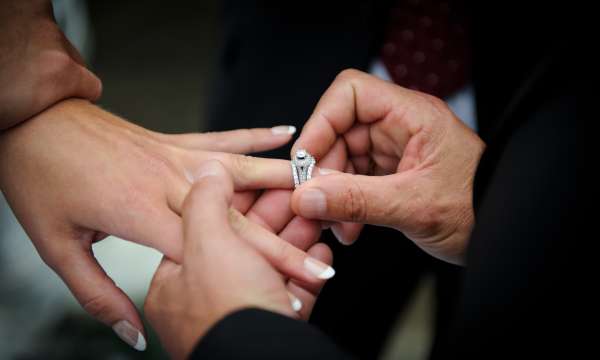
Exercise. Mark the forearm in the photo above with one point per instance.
(38, 66)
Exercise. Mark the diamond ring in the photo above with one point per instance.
(302, 167)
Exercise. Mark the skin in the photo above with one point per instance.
(75, 173)
(414, 161)
(186, 299)
(38, 65)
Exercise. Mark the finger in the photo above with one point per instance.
(352, 97)
(96, 292)
(87, 85)
(165, 270)
(286, 258)
(177, 189)
(354, 198)
(307, 293)
(345, 233)
(205, 211)
(242, 201)
(247, 172)
(157, 227)
(301, 233)
(272, 210)
(336, 158)
(241, 141)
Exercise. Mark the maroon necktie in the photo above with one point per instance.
(426, 46)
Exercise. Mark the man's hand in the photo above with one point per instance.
(220, 273)
(75, 173)
(416, 162)
(38, 65)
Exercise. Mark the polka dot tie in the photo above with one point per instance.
(426, 46)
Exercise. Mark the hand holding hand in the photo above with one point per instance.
(416, 162)
(75, 173)
(220, 271)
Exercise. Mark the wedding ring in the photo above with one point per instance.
(302, 167)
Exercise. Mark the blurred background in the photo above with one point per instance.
(155, 62)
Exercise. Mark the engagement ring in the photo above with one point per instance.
(302, 167)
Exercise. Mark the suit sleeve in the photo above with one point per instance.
(259, 334)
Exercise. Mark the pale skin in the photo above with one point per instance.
(74, 173)
(414, 162)
(186, 299)
(38, 65)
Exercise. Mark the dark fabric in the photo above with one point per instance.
(258, 334)
(276, 64)
(427, 46)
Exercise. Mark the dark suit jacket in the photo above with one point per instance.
(526, 184)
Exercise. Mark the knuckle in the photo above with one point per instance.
(355, 204)
(98, 306)
(242, 168)
(348, 74)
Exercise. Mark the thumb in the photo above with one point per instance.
(97, 292)
(206, 211)
(348, 197)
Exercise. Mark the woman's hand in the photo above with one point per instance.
(416, 162)
(220, 273)
(75, 173)
(38, 65)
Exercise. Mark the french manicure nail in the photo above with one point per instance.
(296, 303)
(312, 203)
(337, 232)
(318, 268)
(130, 335)
(283, 130)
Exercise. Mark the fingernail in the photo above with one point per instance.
(318, 268)
(312, 203)
(130, 335)
(337, 232)
(283, 130)
(325, 171)
(296, 303)
(326, 225)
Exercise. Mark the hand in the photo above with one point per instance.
(75, 173)
(220, 272)
(423, 158)
(38, 65)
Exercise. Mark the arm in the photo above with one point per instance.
(38, 65)
(259, 334)
(75, 173)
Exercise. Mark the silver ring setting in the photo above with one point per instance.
(303, 164)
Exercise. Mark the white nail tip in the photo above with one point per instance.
(319, 269)
(338, 235)
(283, 130)
(140, 345)
(295, 302)
(129, 334)
(327, 274)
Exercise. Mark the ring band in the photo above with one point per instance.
(302, 167)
